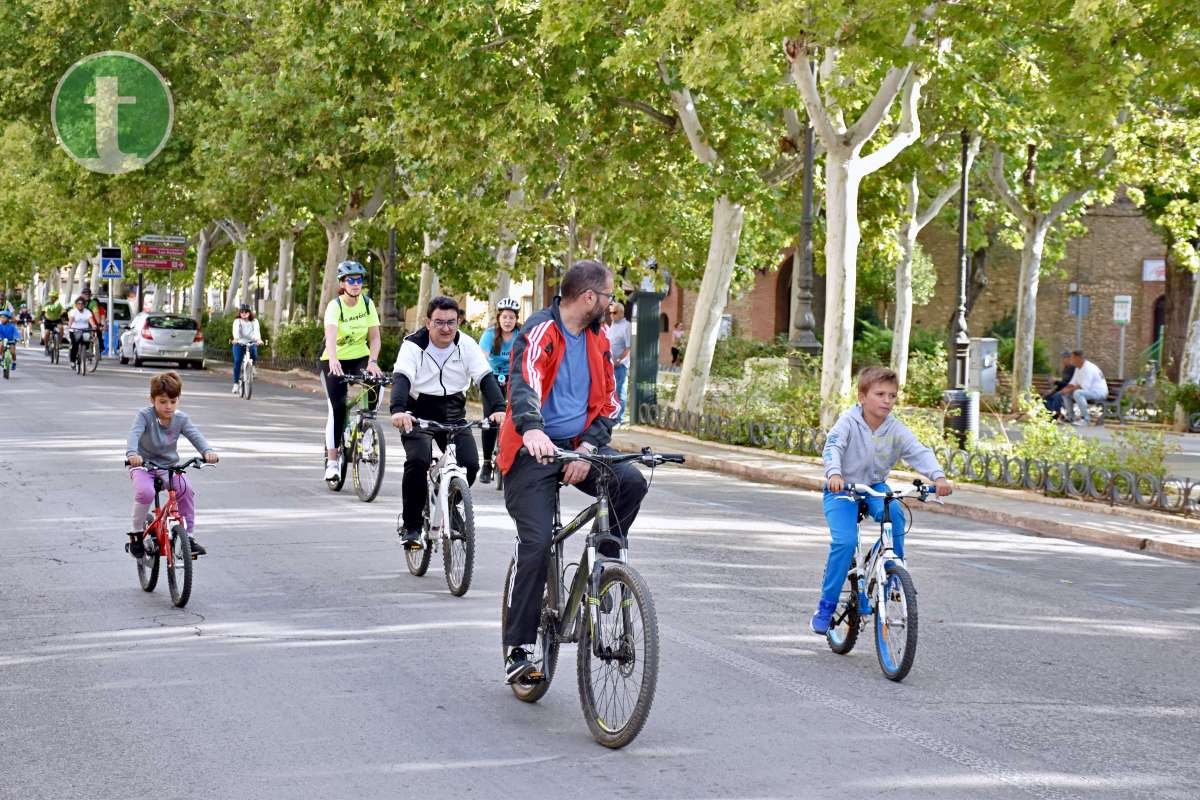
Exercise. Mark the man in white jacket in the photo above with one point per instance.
(433, 371)
(1087, 385)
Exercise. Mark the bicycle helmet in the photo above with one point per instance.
(347, 268)
(4, 312)
(508, 304)
(243, 307)
(54, 295)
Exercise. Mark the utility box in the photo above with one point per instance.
(643, 311)
(981, 366)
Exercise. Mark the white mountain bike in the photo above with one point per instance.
(449, 518)
(879, 584)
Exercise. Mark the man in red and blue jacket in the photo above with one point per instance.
(561, 395)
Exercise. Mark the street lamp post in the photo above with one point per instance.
(960, 340)
(803, 339)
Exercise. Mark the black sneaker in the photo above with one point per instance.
(197, 548)
(134, 547)
(518, 668)
(411, 540)
(485, 472)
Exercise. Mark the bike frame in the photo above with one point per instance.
(873, 565)
(164, 515)
(586, 582)
(358, 409)
(441, 472)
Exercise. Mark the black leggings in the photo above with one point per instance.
(335, 396)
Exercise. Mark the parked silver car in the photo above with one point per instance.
(163, 337)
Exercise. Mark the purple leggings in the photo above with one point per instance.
(143, 493)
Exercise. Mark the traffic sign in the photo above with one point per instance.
(160, 252)
(112, 266)
(1078, 305)
(1122, 308)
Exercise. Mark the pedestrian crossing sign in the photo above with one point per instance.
(112, 266)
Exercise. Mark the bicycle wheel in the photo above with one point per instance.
(337, 483)
(545, 648)
(147, 567)
(896, 624)
(616, 687)
(179, 572)
(418, 560)
(843, 628)
(370, 452)
(247, 378)
(458, 548)
(92, 362)
(55, 347)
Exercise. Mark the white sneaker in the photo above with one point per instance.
(234, 390)
(332, 469)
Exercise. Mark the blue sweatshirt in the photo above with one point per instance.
(9, 333)
(861, 455)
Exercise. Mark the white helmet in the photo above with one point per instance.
(508, 304)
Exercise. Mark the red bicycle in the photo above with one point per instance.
(167, 534)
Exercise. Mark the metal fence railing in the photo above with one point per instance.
(265, 361)
(1081, 481)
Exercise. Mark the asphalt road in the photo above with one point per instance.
(309, 663)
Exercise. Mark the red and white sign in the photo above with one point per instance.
(1154, 270)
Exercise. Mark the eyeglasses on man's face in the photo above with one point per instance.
(445, 324)
(609, 295)
(353, 280)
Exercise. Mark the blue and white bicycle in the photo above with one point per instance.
(878, 584)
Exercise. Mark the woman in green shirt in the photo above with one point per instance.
(351, 345)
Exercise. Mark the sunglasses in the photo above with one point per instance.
(353, 280)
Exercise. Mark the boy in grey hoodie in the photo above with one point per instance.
(864, 445)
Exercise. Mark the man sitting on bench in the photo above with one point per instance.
(1087, 385)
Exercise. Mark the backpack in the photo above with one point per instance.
(341, 308)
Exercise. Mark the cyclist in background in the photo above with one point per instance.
(9, 334)
(352, 344)
(81, 320)
(25, 322)
(496, 343)
(246, 333)
(52, 316)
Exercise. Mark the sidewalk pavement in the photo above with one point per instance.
(1062, 518)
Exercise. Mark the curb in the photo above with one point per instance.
(1034, 525)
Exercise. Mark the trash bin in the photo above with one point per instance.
(962, 415)
(642, 384)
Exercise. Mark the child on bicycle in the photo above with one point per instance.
(153, 437)
(863, 446)
(9, 335)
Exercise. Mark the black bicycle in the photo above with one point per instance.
(364, 449)
(617, 659)
(53, 344)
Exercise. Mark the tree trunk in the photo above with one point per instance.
(727, 220)
(539, 287)
(337, 239)
(235, 278)
(249, 272)
(428, 286)
(390, 317)
(310, 301)
(1179, 290)
(287, 250)
(1027, 289)
(902, 325)
(841, 252)
(506, 253)
(200, 280)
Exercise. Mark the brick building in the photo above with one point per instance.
(1121, 254)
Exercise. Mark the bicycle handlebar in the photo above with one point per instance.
(368, 380)
(922, 491)
(647, 457)
(432, 426)
(196, 462)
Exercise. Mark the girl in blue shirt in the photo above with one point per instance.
(497, 342)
